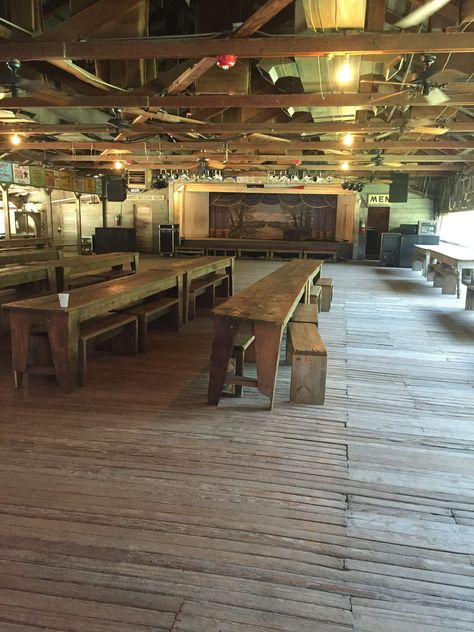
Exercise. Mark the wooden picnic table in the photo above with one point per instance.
(13, 276)
(263, 309)
(67, 267)
(196, 268)
(457, 257)
(20, 256)
(63, 324)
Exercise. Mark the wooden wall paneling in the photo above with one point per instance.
(345, 217)
(143, 227)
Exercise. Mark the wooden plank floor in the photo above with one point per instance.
(130, 505)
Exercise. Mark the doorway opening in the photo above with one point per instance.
(377, 223)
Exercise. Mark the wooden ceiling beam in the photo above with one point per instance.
(247, 28)
(239, 101)
(318, 45)
(244, 147)
(290, 129)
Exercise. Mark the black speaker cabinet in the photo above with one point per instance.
(398, 191)
(116, 189)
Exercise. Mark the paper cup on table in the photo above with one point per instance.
(63, 299)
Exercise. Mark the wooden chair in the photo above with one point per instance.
(309, 364)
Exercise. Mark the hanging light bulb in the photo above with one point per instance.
(15, 140)
(345, 165)
(345, 73)
(226, 61)
(118, 164)
(348, 140)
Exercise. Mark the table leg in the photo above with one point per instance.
(230, 273)
(186, 294)
(134, 262)
(63, 334)
(20, 325)
(426, 264)
(459, 281)
(225, 330)
(267, 354)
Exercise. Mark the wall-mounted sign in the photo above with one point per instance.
(37, 177)
(6, 173)
(377, 199)
(21, 174)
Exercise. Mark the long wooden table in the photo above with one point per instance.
(196, 268)
(31, 254)
(62, 324)
(455, 256)
(68, 266)
(263, 308)
(13, 276)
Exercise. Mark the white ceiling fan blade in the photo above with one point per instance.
(436, 97)
(435, 131)
(393, 164)
(422, 13)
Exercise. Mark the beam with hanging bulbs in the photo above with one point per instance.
(242, 147)
(318, 45)
(257, 101)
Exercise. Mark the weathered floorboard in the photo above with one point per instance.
(131, 505)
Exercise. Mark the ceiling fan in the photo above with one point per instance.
(117, 121)
(378, 160)
(421, 14)
(433, 91)
(12, 84)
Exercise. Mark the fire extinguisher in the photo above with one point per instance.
(362, 226)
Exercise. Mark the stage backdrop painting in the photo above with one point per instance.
(271, 216)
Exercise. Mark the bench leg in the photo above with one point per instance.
(449, 285)
(81, 363)
(437, 279)
(142, 333)
(325, 298)
(126, 342)
(192, 306)
(222, 289)
(289, 347)
(239, 370)
(470, 299)
(308, 379)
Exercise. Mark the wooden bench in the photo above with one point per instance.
(470, 297)
(208, 288)
(326, 285)
(303, 313)
(121, 327)
(309, 364)
(444, 277)
(150, 311)
(315, 296)
(20, 256)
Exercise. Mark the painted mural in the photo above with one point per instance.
(273, 216)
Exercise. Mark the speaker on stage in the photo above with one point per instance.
(398, 191)
(116, 189)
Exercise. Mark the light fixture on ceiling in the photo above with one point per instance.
(226, 61)
(348, 140)
(345, 166)
(15, 139)
(345, 72)
(118, 164)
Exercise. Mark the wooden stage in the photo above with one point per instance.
(131, 505)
